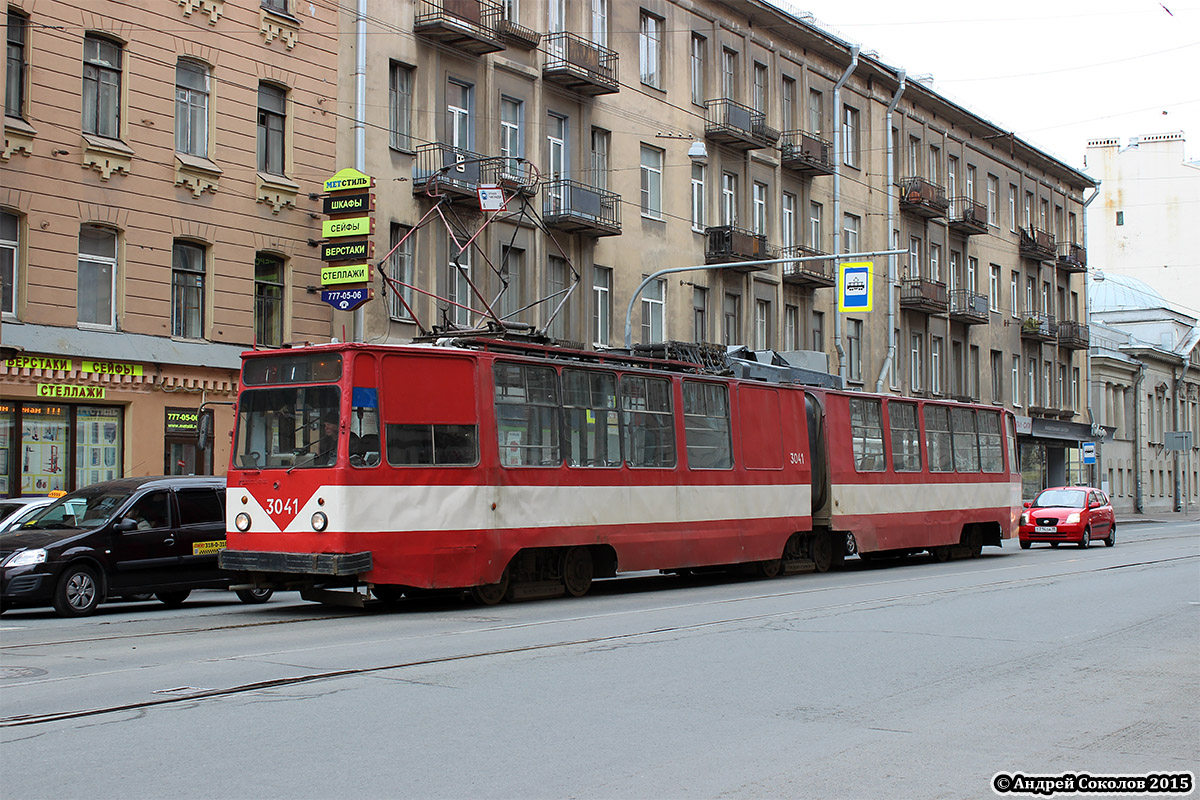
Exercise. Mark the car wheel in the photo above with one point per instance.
(1087, 538)
(173, 599)
(254, 596)
(1112, 537)
(78, 592)
(1054, 544)
(1026, 545)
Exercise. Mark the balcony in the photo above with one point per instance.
(1072, 257)
(579, 65)
(967, 216)
(1039, 327)
(579, 208)
(1037, 244)
(923, 197)
(1073, 335)
(518, 36)
(443, 169)
(736, 125)
(466, 25)
(807, 154)
(513, 175)
(924, 295)
(969, 307)
(814, 274)
(726, 243)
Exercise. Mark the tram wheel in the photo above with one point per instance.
(940, 554)
(490, 594)
(577, 571)
(387, 593)
(973, 539)
(821, 548)
(769, 568)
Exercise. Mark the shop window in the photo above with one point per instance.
(184, 451)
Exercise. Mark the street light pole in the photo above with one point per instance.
(656, 275)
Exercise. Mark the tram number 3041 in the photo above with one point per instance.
(280, 505)
(796, 458)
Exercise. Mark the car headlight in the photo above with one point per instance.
(242, 521)
(319, 521)
(1072, 518)
(27, 558)
(1024, 517)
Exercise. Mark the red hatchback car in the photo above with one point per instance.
(1075, 514)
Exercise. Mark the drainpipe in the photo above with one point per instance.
(837, 198)
(1177, 421)
(1087, 364)
(360, 122)
(1137, 438)
(891, 179)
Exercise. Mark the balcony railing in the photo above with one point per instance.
(806, 153)
(969, 307)
(1037, 244)
(1073, 335)
(923, 197)
(1039, 326)
(513, 175)
(727, 243)
(922, 294)
(967, 216)
(579, 208)
(816, 274)
(579, 65)
(518, 36)
(1072, 257)
(466, 25)
(737, 125)
(442, 168)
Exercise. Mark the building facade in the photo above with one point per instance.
(669, 134)
(1145, 389)
(155, 215)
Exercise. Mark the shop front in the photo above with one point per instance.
(1051, 453)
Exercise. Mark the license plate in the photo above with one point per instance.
(1046, 529)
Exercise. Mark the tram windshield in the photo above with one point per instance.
(293, 427)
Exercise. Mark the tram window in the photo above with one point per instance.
(989, 442)
(937, 439)
(647, 422)
(1011, 428)
(966, 440)
(364, 427)
(906, 436)
(283, 428)
(866, 432)
(590, 427)
(432, 445)
(527, 413)
(706, 425)
(326, 368)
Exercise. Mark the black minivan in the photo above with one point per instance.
(129, 536)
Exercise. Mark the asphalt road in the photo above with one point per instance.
(916, 680)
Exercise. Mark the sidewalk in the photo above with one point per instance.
(1192, 515)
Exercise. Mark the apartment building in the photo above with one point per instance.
(669, 134)
(155, 215)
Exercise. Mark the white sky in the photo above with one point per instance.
(1056, 72)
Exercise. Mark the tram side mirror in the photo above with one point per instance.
(202, 430)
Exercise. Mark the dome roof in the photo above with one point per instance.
(1122, 292)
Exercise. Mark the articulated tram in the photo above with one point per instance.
(514, 469)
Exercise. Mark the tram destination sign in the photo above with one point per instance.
(348, 251)
(347, 299)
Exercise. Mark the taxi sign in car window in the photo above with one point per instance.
(208, 548)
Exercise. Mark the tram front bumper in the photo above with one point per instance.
(323, 564)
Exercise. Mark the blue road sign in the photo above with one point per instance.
(1089, 452)
(347, 299)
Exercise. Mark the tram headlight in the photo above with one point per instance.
(242, 521)
(319, 521)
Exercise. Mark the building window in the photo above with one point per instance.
(1075, 388)
(191, 108)
(787, 222)
(951, 176)
(732, 319)
(791, 327)
(994, 288)
(850, 136)
(96, 288)
(400, 269)
(760, 208)
(973, 372)
(729, 198)
(935, 164)
(101, 87)
(600, 147)
(914, 257)
(400, 106)
(278, 6)
(762, 324)
(268, 300)
(1012, 208)
(1016, 295)
(971, 181)
(10, 255)
(972, 272)
(997, 376)
(14, 75)
(556, 288)
(787, 103)
(815, 211)
(1016, 381)
(459, 105)
(700, 313)
(652, 165)
(556, 161)
(272, 118)
(729, 59)
(600, 22)
(1120, 217)
(854, 328)
(653, 307)
(458, 284)
(850, 233)
(512, 148)
(699, 219)
(914, 148)
(512, 268)
(993, 192)
(760, 88)
(187, 290)
(697, 69)
(915, 365)
(602, 278)
(818, 331)
(935, 365)
(650, 50)
(935, 262)
(816, 102)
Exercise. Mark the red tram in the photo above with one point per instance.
(517, 470)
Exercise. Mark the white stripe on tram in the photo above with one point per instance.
(893, 498)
